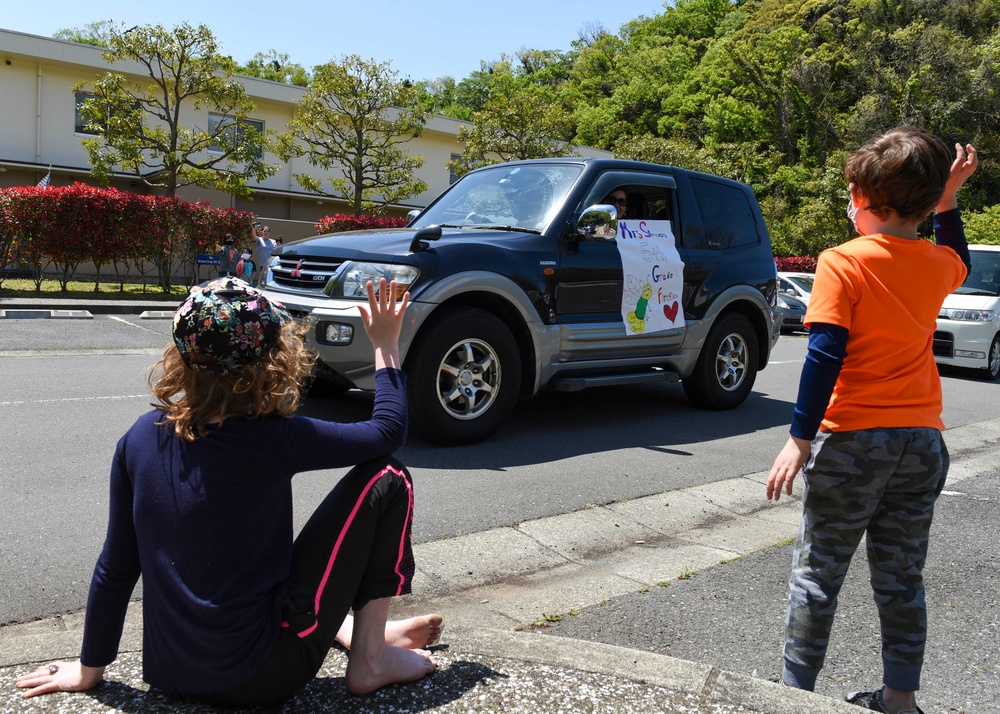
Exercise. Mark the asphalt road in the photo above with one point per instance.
(72, 387)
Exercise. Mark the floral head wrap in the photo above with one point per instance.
(225, 324)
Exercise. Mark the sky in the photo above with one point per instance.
(422, 40)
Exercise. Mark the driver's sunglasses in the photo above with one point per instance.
(620, 201)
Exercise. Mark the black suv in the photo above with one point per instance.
(516, 284)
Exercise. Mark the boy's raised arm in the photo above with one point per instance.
(966, 161)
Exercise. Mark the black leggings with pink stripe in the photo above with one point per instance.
(355, 548)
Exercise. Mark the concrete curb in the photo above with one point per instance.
(28, 314)
(660, 670)
(92, 307)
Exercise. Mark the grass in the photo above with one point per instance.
(84, 290)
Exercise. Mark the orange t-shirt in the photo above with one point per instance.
(887, 292)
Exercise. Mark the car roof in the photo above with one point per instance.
(984, 247)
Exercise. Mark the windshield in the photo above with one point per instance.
(984, 278)
(504, 196)
(804, 283)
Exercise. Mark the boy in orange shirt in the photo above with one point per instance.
(871, 390)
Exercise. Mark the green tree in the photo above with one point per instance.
(439, 96)
(984, 226)
(518, 120)
(276, 67)
(355, 119)
(93, 33)
(138, 122)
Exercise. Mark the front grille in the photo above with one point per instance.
(310, 273)
(944, 344)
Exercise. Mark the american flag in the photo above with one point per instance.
(46, 180)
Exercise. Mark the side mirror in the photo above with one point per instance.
(423, 235)
(412, 215)
(598, 221)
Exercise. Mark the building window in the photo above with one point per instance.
(452, 178)
(232, 130)
(80, 122)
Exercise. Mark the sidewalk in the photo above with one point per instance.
(494, 587)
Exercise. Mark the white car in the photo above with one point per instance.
(968, 327)
(798, 285)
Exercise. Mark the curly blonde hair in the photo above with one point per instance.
(192, 398)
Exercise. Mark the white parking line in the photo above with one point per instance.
(74, 399)
(132, 324)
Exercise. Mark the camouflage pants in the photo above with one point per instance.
(879, 482)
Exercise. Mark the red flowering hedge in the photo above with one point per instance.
(796, 264)
(340, 222)
(64, 226)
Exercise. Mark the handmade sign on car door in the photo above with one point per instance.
(653, 274)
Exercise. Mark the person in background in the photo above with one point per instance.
(264, 244)
(236, 613)
(228, 257)
(866, 429)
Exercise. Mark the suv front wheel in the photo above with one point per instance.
(727, 366)
(464, 375)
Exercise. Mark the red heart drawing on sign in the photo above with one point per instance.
(670, 311)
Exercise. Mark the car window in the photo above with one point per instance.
(650, 196)
(806, 283)
(518, 196)
(726, 215)
(984, 277)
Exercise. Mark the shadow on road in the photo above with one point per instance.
(555, 426)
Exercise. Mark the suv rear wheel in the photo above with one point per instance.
(727, 367)
(464, 376)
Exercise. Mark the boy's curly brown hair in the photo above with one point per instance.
(192, 398)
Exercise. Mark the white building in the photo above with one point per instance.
(40, 127)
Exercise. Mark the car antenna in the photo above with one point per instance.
(427, 232)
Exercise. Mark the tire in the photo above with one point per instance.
(727, 366)
(464, 377)
(992, 370)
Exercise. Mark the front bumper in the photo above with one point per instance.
(962, 343)
(353, 362)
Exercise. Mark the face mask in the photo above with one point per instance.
(852, 213)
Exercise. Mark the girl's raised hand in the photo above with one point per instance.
(383, 320)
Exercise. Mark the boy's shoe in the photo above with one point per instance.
(873, 701)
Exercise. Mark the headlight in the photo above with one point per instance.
(783, 303)
(969, 315)
(352, 277)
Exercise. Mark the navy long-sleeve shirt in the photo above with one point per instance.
(208, 525)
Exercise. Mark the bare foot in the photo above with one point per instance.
(414, 633)
(388, 666)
